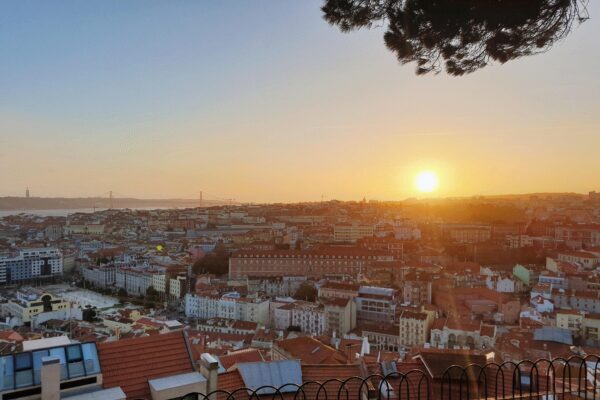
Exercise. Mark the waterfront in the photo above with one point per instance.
(63, 212)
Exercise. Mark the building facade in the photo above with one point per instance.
(31, 264)
(351, 232)
(230, 306)
(31, 302)
(414, 328)
(311, 263)
(100, 276)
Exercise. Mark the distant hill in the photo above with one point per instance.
(55, 203)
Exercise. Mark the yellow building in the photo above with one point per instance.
(31, 302)
(414, 327)
(571, 320)
(351, 232)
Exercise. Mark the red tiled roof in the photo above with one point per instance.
(334, 301)
(311, 351)
(241, 356)
(130, 363)
(11, 336)
(230, 381)
(148, 322)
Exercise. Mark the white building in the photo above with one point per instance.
(159, 283)
(447, 333)
(309, 317)
(230, 305)
(28, 264)
(284, 286)
(541, 304)
(134, 281)
(100, 276)
(306, 316)
(177, 287)
(502, 284)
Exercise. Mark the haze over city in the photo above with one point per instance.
(266, 102)
(302, 199)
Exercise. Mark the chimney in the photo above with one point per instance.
(349, 354)
(50, 378)
(209, 367)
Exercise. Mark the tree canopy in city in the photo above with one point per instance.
(216, 262)
(306, 292)
(460, 36)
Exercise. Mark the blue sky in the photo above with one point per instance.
(264, 101)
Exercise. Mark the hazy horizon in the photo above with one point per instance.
(420, 197)
(268, 103)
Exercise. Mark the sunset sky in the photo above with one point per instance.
(264, 101)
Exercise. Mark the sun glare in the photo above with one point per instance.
(426, 181)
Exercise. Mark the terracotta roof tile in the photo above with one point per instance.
(130, 363)
(241, 356)
(311, 351)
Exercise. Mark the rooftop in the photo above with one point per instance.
(131, 363)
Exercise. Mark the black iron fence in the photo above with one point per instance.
(544, 379)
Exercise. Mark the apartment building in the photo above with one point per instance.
(282, 286)
(160, 283)
(340, 314)
(414, 327)
(588, 260)
(467, 233)
(382, 337)
(416, 290)
(31, 263)
(339, 290)
(376, 304)
(350, 233)
(178, 286)
(230, 305)
(103, 276)
(591, 329)
(134, 281)
(571, 320)
(314, 263)
(309, 317)
(582, 234)
(580, 300)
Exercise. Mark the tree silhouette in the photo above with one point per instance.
(460, 35)
(306, 292)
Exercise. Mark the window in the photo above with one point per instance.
(23, 370)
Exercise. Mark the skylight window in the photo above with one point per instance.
(24, 369)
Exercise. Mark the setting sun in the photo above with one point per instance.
(426, 181)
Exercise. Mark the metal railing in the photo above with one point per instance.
(544, 379)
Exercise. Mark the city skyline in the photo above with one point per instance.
(348, 198)
(270, 103)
